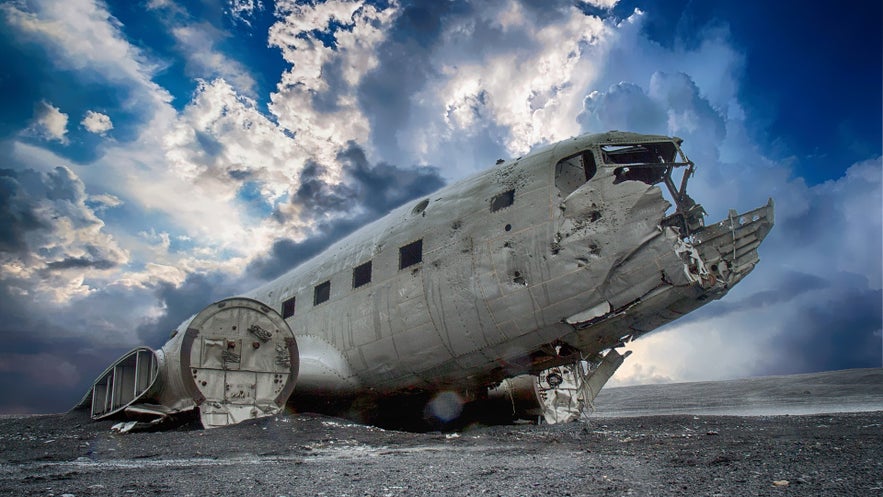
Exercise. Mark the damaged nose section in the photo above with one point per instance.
(696, 267)
(698, 264)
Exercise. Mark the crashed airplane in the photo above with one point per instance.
(517, 284)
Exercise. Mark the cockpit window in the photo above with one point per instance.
(645, 162)
(571, 172)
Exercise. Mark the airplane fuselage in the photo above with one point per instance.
(540, 261)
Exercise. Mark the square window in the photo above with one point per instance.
(288, 308)
(502, 200)
(411, 254)
(322, 293)
(362, 275)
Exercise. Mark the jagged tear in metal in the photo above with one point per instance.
(518, 283)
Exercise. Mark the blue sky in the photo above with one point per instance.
(160, 155)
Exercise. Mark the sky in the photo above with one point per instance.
(159, 155)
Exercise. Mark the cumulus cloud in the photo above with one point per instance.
(96, 122)
(244, 10)
(52, 240)
(494, 79)
(228, 167)
(604, 4)
(49, 123)
(316, 99)
(103, 201)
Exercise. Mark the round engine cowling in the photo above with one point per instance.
(236, 359)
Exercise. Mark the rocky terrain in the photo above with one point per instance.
(302, 454)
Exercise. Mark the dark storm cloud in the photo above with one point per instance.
(783, 290)
(383, 186)
(50, 355)
(49, 374)
(317, 196)
(374, 189)
(17, 213)
(48, 206)
(183, 301)
(53, 352)
(406, 54)
(80, 263)
(285, 254)
(840, 332)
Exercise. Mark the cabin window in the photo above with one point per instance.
(322, 293)
(645, 162)
(571, 172)
(288, 308)
(502, 200)
(410, 254)
(362, 275)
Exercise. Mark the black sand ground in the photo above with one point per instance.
(660, 455)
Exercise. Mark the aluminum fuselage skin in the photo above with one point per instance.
(497, 293)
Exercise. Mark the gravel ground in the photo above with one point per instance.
(826, 455)
(661, 440)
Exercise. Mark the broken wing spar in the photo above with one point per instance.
(550, 260)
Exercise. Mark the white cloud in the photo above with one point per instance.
(323, 131)
(198, 44)
(604, 4)
(244, 10)
(83, 36)
(49, 123)
(104, 201)
(532, 94)
(57, 241)
(221, 143)
(96, 122)
(501, 81)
